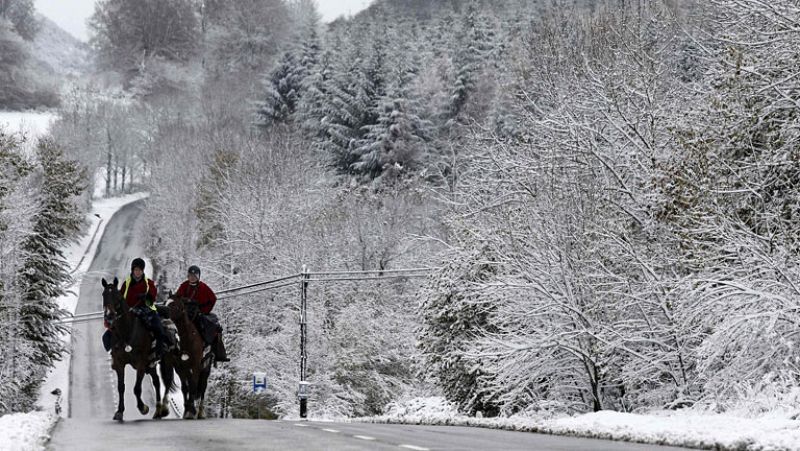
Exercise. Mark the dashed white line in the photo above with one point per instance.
(417, 448)
(364, 437)
(331, 430)
(301, 425)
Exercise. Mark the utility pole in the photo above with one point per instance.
(302, 391)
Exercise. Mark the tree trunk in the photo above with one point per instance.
(108, 165)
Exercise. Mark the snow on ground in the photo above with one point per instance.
(25, 431)
(678, 428)
(80, 256)
(30, 124)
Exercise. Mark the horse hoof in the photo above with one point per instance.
(188, 416)
(144, 409)
(118, 417)
(163, 412)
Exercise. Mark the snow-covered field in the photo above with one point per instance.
(31, 431)
(679, 428)
(30, 124)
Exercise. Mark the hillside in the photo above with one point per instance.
(58, 52)
(33, 73)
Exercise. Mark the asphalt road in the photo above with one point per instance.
(246, 435)
(93, 398)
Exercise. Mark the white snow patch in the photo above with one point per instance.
(678, 428)
(29, 124)
(429, 407)
(25, 431)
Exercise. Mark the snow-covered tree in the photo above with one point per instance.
(243, 35)
(38, 217)
(289, 79)
(127, 34)
(395, 143)
(17, 207)
(44, 273)
(730, 193)
(453, 316)
(22, 15)
(472, 46)
(283, 88)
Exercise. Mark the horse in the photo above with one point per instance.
(198, 357)
(132, 343)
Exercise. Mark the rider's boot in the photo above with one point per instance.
(220, 355)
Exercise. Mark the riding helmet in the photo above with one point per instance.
(137, 263)
(194, 270)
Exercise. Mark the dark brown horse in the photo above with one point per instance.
(132, 343)
(196, 357)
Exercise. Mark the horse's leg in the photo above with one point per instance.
(137, 390)
(201, 392)
(157, 387)
(190, 411)
(120, 369)
(168, 377)
(185, 375)
(184, 386)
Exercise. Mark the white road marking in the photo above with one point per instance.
(417, 448)
(364, 437)
(301, 425)
(331, 430)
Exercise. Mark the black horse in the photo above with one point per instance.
(132, 346)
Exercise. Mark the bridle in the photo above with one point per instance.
(111, 315)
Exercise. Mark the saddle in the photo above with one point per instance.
(207, 324)
(209, 327)
(144, 316)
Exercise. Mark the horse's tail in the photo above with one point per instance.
(168, 377)
(172, 387)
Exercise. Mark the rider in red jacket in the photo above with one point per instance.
(195, 290)
(198, 291)
(140, 294)
(137, 288)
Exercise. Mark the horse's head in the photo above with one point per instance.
(176, 306)
(113, 306)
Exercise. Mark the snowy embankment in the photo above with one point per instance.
(30, 431)
(25, 431)
(678, 428)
